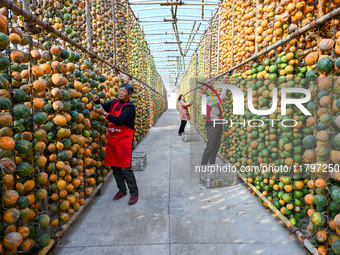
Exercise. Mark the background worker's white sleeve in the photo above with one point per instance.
(223, 93)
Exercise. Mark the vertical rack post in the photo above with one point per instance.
(88, 24)
(151, 106)
(114, 32)
(149, 67)
(26, 7)
(256, 26)
(128, 36)
(203, 56)
(219, 40)
(200, 60)
(210, 49)
(232, 35)
(195, 94)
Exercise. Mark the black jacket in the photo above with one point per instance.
(127, 115)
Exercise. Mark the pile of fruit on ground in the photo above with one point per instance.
(52, 143)
(307, 192)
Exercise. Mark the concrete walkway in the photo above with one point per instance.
(175, 214)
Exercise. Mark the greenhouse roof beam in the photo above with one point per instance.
(154, 46)
(168, 20)
(177, 56)
(170, 60)
(157, 29)
(174, 34)
(165, 61)
(161, 7)
(164, 50)
(174, 25)
(163, 69)
(171, 33)
(158, 38)
(187, 48)
(175, 28)
(202, 9)
(165, 65)
(192, 29)
(159, 16)
(171, 3)
(175, 9)
(175, 42)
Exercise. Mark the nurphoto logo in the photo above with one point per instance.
(238, 100)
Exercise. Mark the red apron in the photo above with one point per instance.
(119, 143)
(186, 113)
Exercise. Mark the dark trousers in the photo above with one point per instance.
(123, 175)
(214, 135)
(181, 128)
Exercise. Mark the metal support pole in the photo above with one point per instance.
(210, 53)
(195, 94)
(199, 63)
(203, 76)
(186, 52)
(170, 3)
(183, 63)
(192, 29)
(88, 24)
(219, 40)
(133, 14)
(232, 35)
(149, 69)
(171, 33)
(26, 7)
(175, 42)
(128, 37)
(256, 26)
(176, 8)
(114, 32)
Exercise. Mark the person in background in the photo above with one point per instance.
(121, 116)
(214, 134)
(183, 113)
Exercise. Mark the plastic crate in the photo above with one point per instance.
(218, 179)
(191, 137)
(138, 161)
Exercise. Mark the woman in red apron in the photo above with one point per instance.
(121, 116)
(183, 113)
